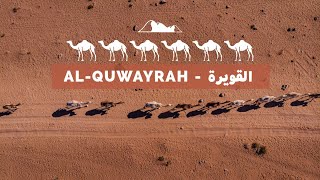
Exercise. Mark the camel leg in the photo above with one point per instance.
(154, 54)
(177, 59)
(205, 55)
(157, 54)
(217, 55)
(145, 55)
(90, 54)
(78, 55)
(251, 54)
(172, 55)
(239, 53)
(126, 55)
(236, 56)
(114, 57)
(82, 56)
(122, 55)
(190, 55)
(220, 55)
(95, 56)
(248, 54)
(124, 52)
(110, 54)
(141, 55)
(208, 55)
(185, 55)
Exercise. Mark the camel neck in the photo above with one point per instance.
(73, 46)
(135, 45)
(229, 45)
(166, 45)
(198, 46)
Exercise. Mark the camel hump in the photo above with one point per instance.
(116, 41)
(148, 41)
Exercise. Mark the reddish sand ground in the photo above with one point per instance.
(35, 145)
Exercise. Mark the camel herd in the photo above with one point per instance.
(150, 46)
(223, 107)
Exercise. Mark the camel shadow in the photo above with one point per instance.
(304, 101)
(299, 103)
(139, 114)
(272, 104)
(248, 107)
(221, 111)
(63, 112)
(96, 111)
(169, 114)
(5, 113)
(197, 112)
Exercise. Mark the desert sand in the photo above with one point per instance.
(36, 145)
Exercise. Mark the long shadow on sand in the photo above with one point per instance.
(197, 112)
(63, 112)
(5, 113)
(272, 104)
(220, 111)
(299, 103)
(96, 111)
(248, 107)
(169, 114)
(139, 114)
(304, 101)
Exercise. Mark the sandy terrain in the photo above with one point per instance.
(35, 145)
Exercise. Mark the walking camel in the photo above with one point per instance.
(146, 46)
(239, 103)
(209, 46)
(83, 46)
(178, 46)
(115, 46)
(241, 46)
(11, 107)
(109, 104)
(155, 105)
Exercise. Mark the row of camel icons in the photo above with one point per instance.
(150, 46)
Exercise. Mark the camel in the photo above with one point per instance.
(264, 99)
(11, 107)
(155, 105)
(214, 104)
(241, 46)
(108, 104)
(73, 104)
(146, 46)
(178, 46)
(185, 106)
(291, 95)
(83, 46)
(239, 103)
(267, 98)
(115, 46)
(209, 46)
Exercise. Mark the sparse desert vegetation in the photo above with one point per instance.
(257, 148)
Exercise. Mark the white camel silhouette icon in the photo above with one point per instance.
(209, 46)
(83, 46)
(146, 46)
(241, 46)
(115, 46)
(178, 46)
